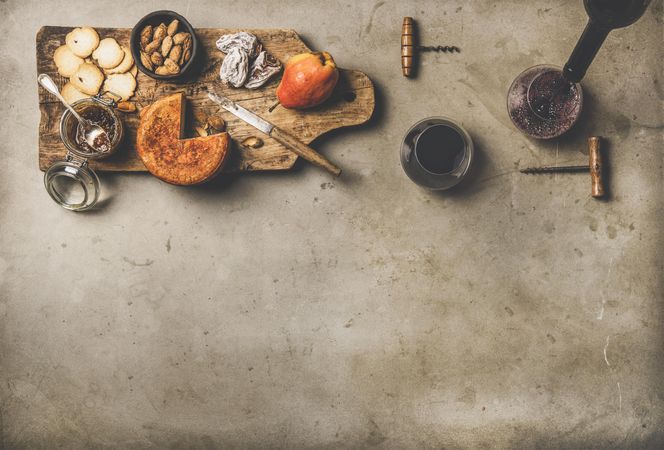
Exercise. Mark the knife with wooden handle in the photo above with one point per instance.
(283, 137)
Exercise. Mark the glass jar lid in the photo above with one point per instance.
(72, 184)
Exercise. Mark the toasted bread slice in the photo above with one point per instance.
(169, 157)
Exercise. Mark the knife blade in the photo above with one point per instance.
(283, 137)
(242, 113)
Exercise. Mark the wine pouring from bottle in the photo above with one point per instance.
(604, 16)
(545, 102)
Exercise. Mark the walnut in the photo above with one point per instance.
(235, 68)
(262, 69)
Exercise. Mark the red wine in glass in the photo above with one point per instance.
(542, 104)
(436, 153)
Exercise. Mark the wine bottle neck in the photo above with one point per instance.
(589, 44)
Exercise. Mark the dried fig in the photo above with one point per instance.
(262, 69)
(179, 37)
(171, 65)
(217, 123)
(152, 46)
(159, 33)
(146, 36)
(157, 59)
(162, 70)
(252, 142)
(127, 107)
(235, 67)
(146, 61)
(176, 53)
(166, 45)
(246, 41)
(172, 27)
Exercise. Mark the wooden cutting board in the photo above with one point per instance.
(351, 104)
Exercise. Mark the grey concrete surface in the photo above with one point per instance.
(294, 311)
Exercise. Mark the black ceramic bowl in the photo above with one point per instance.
(154, 19)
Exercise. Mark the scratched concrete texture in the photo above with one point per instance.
(293, 310)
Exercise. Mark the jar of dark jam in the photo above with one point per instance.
(72, 183)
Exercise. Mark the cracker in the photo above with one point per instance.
(120, 85)
(87, 79)
(66, 61)
(125, 65)
(108, 54)
(134, 71)
(71, 94)
(82, 41)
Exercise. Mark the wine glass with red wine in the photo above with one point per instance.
(545, 101)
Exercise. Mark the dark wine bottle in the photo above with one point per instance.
(605, 15)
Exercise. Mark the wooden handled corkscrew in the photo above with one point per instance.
(409, 47)
(595, 167)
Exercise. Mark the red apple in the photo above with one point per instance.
(309, 79)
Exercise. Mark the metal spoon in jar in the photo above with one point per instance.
(94, 135)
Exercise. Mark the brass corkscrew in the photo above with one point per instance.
(409, 47)
(595, 166)
(439, 48)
